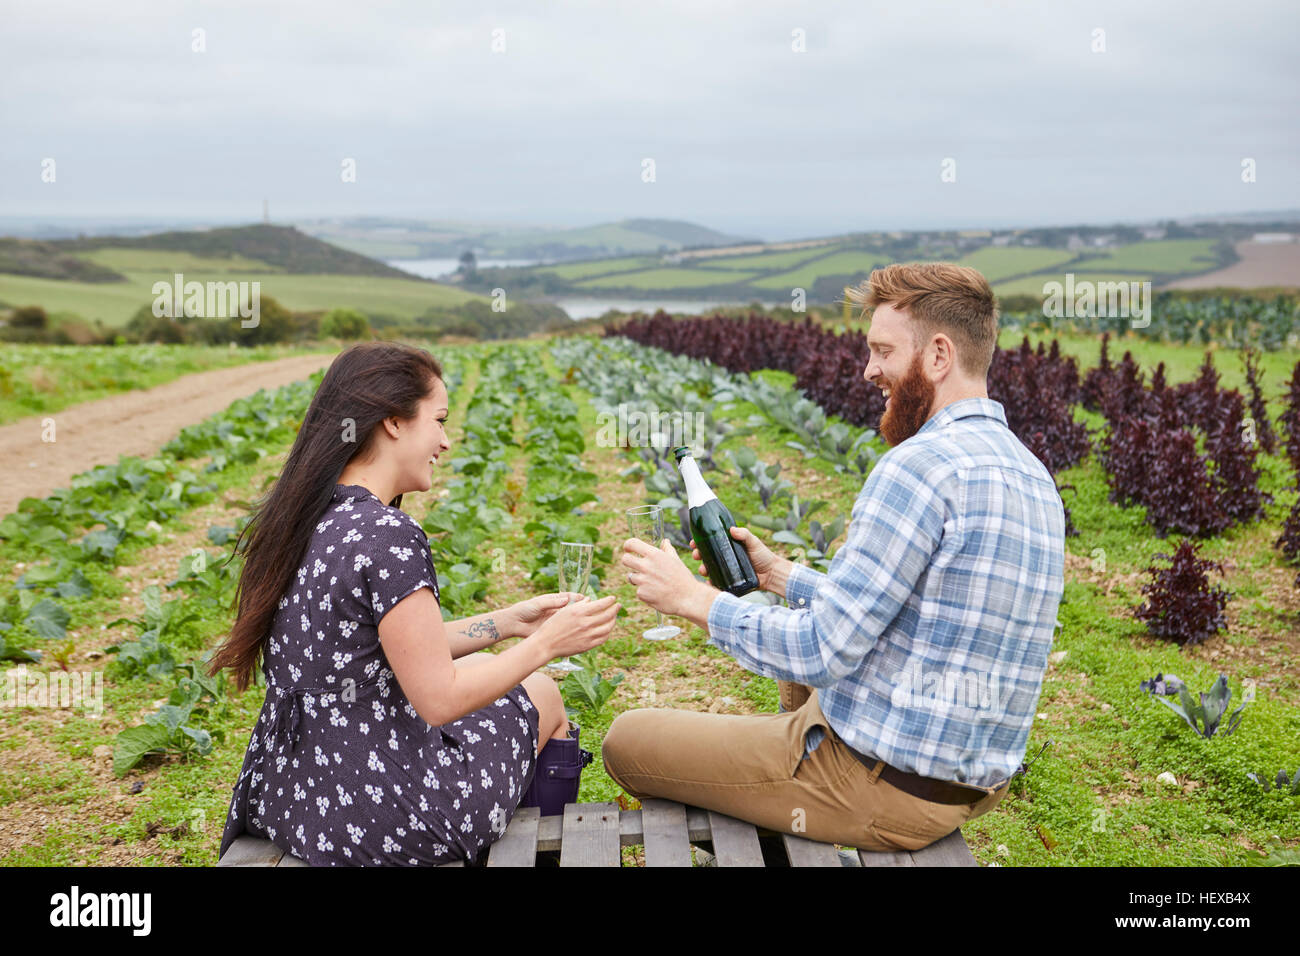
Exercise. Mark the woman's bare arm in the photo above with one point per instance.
(418, 649)
(471, 634)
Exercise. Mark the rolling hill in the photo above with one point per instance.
(283, 247)
(108, 278)
(408, 239)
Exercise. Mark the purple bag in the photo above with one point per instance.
(557, 774)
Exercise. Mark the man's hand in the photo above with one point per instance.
(771, 571)
(664, 582)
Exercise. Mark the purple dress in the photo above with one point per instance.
(340, 768)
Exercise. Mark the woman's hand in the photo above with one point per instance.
(527, 616)
(578, 627)
(762, 557)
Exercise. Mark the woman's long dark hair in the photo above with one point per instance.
(364, 385)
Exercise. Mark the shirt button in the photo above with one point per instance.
(802, 601)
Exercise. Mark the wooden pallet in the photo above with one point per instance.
(591, 834)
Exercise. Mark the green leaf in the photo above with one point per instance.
(201, 738)
(17, 653)
(134, 742)
(76, 586)
(1214, 704)
(1180, 711)
(102, 544)
(48, 619)
(221, 534)
(169, 716)
(152, 598)
(39, 577)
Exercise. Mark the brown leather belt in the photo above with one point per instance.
(924, 788)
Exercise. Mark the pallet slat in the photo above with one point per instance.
(950, 851)
(550, 830)
(808, 852)
(666, 840)
(664, 827)
(735, 843)
(251, 851)
(518, 845)
(591, 835)
(885, 858)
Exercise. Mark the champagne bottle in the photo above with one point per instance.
(724, 557)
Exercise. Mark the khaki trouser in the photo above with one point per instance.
(751, 768)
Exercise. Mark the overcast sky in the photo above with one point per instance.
(746, 134)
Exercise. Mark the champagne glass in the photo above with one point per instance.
(647, 523)
(575, 571)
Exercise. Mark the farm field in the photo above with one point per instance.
(1010, 269)
(37, 379)
(768, 260)
(599, 267)
(147, 590)
(655, 279)
(999, 264)
(837, 263)
(115, 302)
(1166, 256)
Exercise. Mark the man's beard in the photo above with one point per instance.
(910, 400)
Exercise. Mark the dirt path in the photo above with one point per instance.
(133, 423)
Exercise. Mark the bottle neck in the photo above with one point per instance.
(697, 489)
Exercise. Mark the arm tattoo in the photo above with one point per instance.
(484, 629)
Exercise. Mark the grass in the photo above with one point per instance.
(767, 261)
(838, 263)
(47, 378)
(1033, 285)
(1161, 256)
(1090, 799)
(663, 279)
(998, 263)
(115, 302)
(162, 261)
(600, 267)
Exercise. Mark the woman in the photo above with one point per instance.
(378, 742)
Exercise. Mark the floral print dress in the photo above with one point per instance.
(340, 768)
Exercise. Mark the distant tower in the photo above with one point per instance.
(266, 211)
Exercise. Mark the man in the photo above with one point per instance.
(910, 673)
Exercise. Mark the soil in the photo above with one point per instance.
(133, 423)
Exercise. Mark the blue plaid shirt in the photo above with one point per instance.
(928, 637)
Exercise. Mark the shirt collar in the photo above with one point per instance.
(965, 408)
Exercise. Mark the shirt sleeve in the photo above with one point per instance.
(801, 585)
(395, 561)
(897, 524)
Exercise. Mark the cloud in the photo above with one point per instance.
(745, 132)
